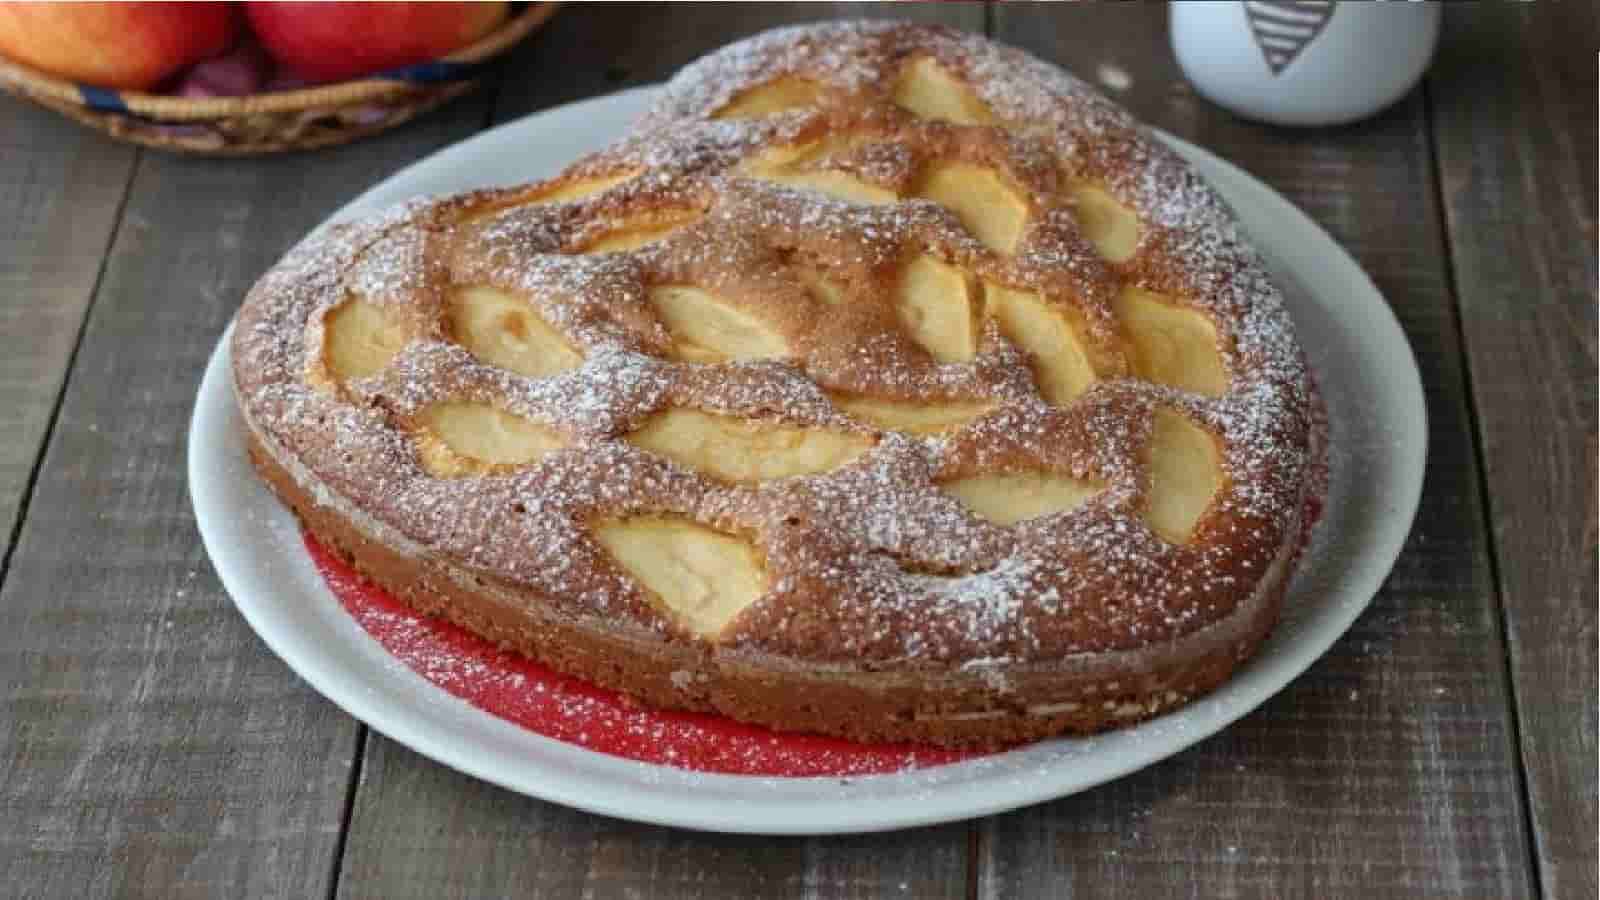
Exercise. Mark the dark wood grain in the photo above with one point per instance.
(1513, 97)
(150, 745)
(1388, 769)
(420, 830)
(61, 188)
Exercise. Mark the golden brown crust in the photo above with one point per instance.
(886, 595)
(969, 706)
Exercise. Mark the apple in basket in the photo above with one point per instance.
(339, 41)
(203, 50)
(130, 46)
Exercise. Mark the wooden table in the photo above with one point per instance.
(150, 745)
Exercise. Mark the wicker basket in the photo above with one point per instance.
(275, 122)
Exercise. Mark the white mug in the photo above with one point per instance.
(1324, 62)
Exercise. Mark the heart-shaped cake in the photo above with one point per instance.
(883, 382)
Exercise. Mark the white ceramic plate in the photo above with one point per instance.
(1375, 404)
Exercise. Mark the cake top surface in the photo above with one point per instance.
(871, 343)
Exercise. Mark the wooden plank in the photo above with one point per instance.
(423, 830)
(1387, 770)
(1513, 96)
(62, 188)
(150, 745)
(420, 830)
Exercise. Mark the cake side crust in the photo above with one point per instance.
(989, 706)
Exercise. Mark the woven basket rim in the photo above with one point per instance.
(180, 109)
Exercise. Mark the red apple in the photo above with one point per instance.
(339, 41)
(115, 45)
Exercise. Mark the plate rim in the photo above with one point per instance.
(783, 810)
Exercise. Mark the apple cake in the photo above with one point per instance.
(883, 382)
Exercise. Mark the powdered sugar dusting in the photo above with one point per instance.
(873, 561)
